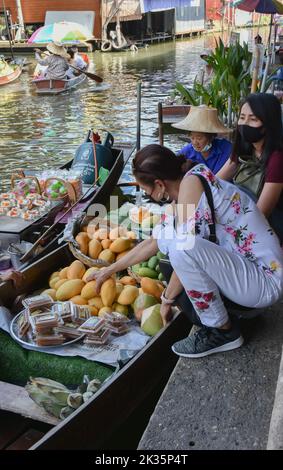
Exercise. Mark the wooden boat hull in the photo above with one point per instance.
(90, 425)
(54, 87)
(11, 77)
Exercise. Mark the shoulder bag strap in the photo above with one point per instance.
(212, 227)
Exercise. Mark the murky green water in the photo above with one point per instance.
(44, 131)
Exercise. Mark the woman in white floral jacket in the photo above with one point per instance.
(245, 264)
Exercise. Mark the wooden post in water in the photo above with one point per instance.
(138, 142)
(255, 71)
(8, 30)
(160, 124)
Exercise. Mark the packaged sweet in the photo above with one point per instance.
(118, 330)
(115, 318)
(92, 325)
(69, 330)
(49, 340)
(36, 301)
(24, 324)
(80, 313)
(63, 310)
(99, 338)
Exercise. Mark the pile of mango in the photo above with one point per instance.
(105, 244)
(150, 268)
(119, 295)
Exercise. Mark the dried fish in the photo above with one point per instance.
(66, 411)
(75, 400)
(93, 385)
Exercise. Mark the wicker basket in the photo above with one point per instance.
(21, 176)
(70, 190)
(99, 263)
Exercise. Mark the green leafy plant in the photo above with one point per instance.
(231, 81)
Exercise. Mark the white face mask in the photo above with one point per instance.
(206, 148)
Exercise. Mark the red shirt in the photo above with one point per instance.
(274, 172)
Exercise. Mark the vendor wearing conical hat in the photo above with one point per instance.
(56, 62)
(203, 126)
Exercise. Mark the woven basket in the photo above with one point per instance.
(99, 263)
(70, 190)
(21, 176)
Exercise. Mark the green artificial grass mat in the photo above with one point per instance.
(18, 364)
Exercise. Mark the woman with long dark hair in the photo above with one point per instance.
(217, 242)
(259, 137)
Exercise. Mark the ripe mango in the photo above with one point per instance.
(117, 232)
(53, 281)
(119, 245)
(94, 249)
(63, 273)
(59, 283)
(120, 309)
(83, 240)
(88, 272)
(96, 302)
(104, 310)
(78, 300)
(108, 292)
(128, 280)
(107, 255)
(50, 292)
(76, 270)
(152, 287)
(69, 289)
(128, 295)
(89, 290)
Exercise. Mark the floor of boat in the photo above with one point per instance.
(19, 433)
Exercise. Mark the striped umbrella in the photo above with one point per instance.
(64, 31)
(261, 6)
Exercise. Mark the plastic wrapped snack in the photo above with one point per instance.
(92, 326)
(49, 340)
(37, 301)
(100, 337)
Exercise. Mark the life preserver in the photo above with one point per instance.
(106, 46)
(85, 58)
(121, 46)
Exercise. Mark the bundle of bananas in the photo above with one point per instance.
(57, 399)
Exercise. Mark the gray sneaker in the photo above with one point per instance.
(207, 341)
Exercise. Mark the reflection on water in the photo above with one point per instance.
(43, 131)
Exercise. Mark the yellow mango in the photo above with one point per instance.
(128, 295)
(119, 288)
(63, 273)
(107, 255)
(120, 244)
(120, 309)
(50, 292)
(101, 234)
(56, 274)
(108, 292)
(88, 272)
(105, 243)
(94, 248)
(89, 290)
(131, 235)
(93, 310)
(53, 281)
(83, 240)
(96, 302)
(76, 270)
(152, 287)
(59, 283)
(117, 232)
(128, 280)
(69, 289)
(91, 230)
(104, 310)
(78, 300)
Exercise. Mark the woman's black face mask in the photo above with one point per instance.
(251, 134)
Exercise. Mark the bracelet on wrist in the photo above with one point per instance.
(165, 300)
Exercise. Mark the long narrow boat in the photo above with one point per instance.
(12, 76)
(30, 231)
(24, 425)
(54, 87)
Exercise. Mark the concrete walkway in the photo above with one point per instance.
(225, 401)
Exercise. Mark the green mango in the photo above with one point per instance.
(152, 262)
(144, 264)
(157, 268)
(160, 255)
(147, 272)
(161, 277)
(135, 268)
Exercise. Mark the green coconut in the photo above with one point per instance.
(151, 321)
(142, 302)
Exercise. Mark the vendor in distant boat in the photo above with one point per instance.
(205, 147)
(79, 60)
(206, 73)
(56, 63)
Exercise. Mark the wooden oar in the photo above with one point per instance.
(90, 75)
(30, 251)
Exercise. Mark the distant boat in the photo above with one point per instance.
(46, 86)
(13, 72)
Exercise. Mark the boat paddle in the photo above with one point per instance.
(90, 75)
(27, 255)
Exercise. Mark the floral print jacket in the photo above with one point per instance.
(240, 227)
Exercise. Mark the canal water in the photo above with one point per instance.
(44, 131)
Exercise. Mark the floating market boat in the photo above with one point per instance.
(54, 87)
(23, 424)
(9, 72)
(112, 158)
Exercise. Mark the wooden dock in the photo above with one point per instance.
(24, 47)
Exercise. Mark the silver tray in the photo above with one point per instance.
(14, 330)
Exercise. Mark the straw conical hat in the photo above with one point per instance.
(57, 48)
(202, 119)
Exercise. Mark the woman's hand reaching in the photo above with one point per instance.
(100, 276)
